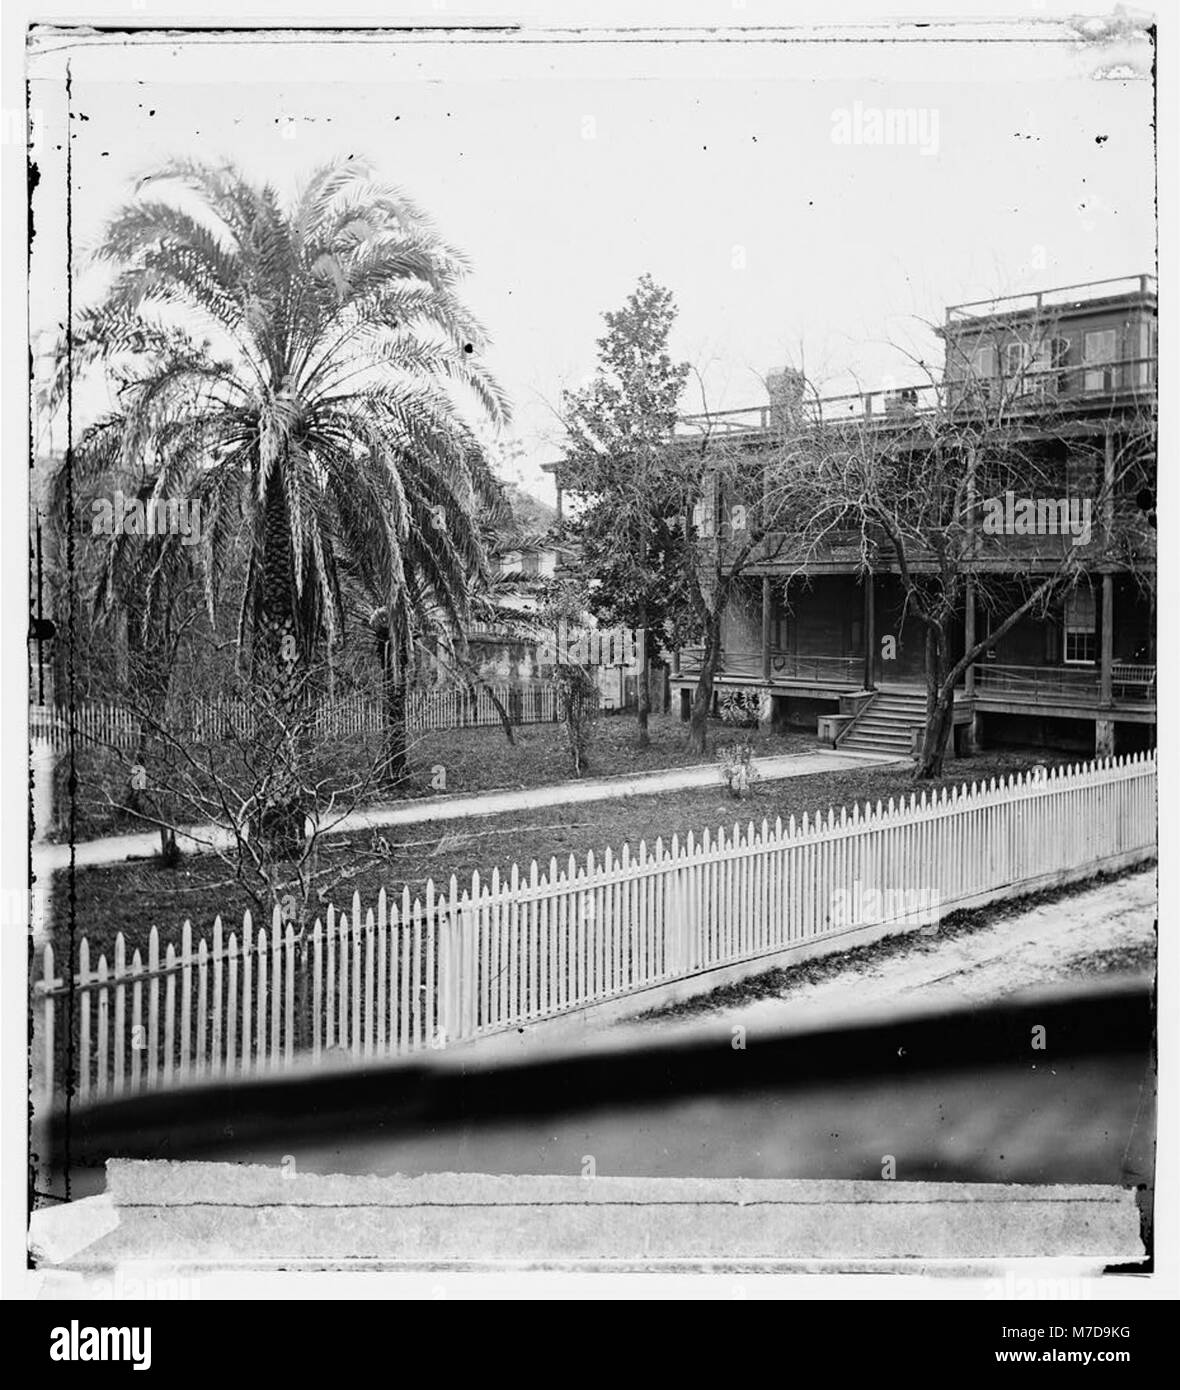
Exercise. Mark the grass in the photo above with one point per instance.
(472, 760)
(132, 897)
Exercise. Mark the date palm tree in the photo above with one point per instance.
(292, 371)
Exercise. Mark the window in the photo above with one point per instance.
(983, 362)
(1098, 350)
(1052, 355)
(1059, 359)
(704, 513)
(1146, 351)
(1081, 646)
(1016, 357)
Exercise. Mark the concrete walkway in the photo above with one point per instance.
(111, 849)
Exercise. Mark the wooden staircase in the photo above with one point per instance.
(887, 723)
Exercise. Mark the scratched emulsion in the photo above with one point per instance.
(787, 200)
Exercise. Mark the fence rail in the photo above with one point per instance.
(502, 952)
(213, 720)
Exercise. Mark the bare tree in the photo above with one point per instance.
(930, 488)
(260, 778)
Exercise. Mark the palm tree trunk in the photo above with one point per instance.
(393, 666)
(277, 658)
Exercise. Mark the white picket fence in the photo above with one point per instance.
(467, 962)
(206, 721)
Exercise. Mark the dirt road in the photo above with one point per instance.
(1080, 935)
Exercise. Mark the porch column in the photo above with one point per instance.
(971, 735)
(1104, 738)
(1108, 488)
(1104, 727)
(767, 599)
(870, 627)
(1106, 669)
(969, 637)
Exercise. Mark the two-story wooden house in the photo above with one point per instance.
(1056, 394)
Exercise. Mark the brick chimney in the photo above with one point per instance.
(785, 389)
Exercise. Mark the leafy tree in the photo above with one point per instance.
(619, 427)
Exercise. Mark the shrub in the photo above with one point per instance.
(740, 708)
(577, 697)
(739, 772)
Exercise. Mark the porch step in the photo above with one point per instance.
(887, 724)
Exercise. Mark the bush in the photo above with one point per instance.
(740, 708)
(739, 772)
(577, 697)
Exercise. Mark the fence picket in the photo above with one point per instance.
(186, 956)
(215, 1049)
(83, 1022)
(137, 1031)
(205, 721)
(230, 1065)
(151, 1061)
(169, 1014)
(201, 1057)
(261, 1002)
(447, 966)
(119, 1041)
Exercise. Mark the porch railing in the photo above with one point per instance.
(784, 666)
(1076, 685)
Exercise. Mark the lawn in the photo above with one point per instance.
(471, 760)
(132, 897)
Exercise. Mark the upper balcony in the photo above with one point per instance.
(1026, 396)
(1070, 349)
(1090, 294)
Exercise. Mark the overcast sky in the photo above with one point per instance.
(565, 170)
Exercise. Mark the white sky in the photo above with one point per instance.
(565, 170)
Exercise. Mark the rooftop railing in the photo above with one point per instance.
(1024, 393)
(1057, 297)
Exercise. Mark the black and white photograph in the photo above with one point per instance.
(588, 714)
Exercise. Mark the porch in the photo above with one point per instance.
(826, 676)
(1125, 688)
